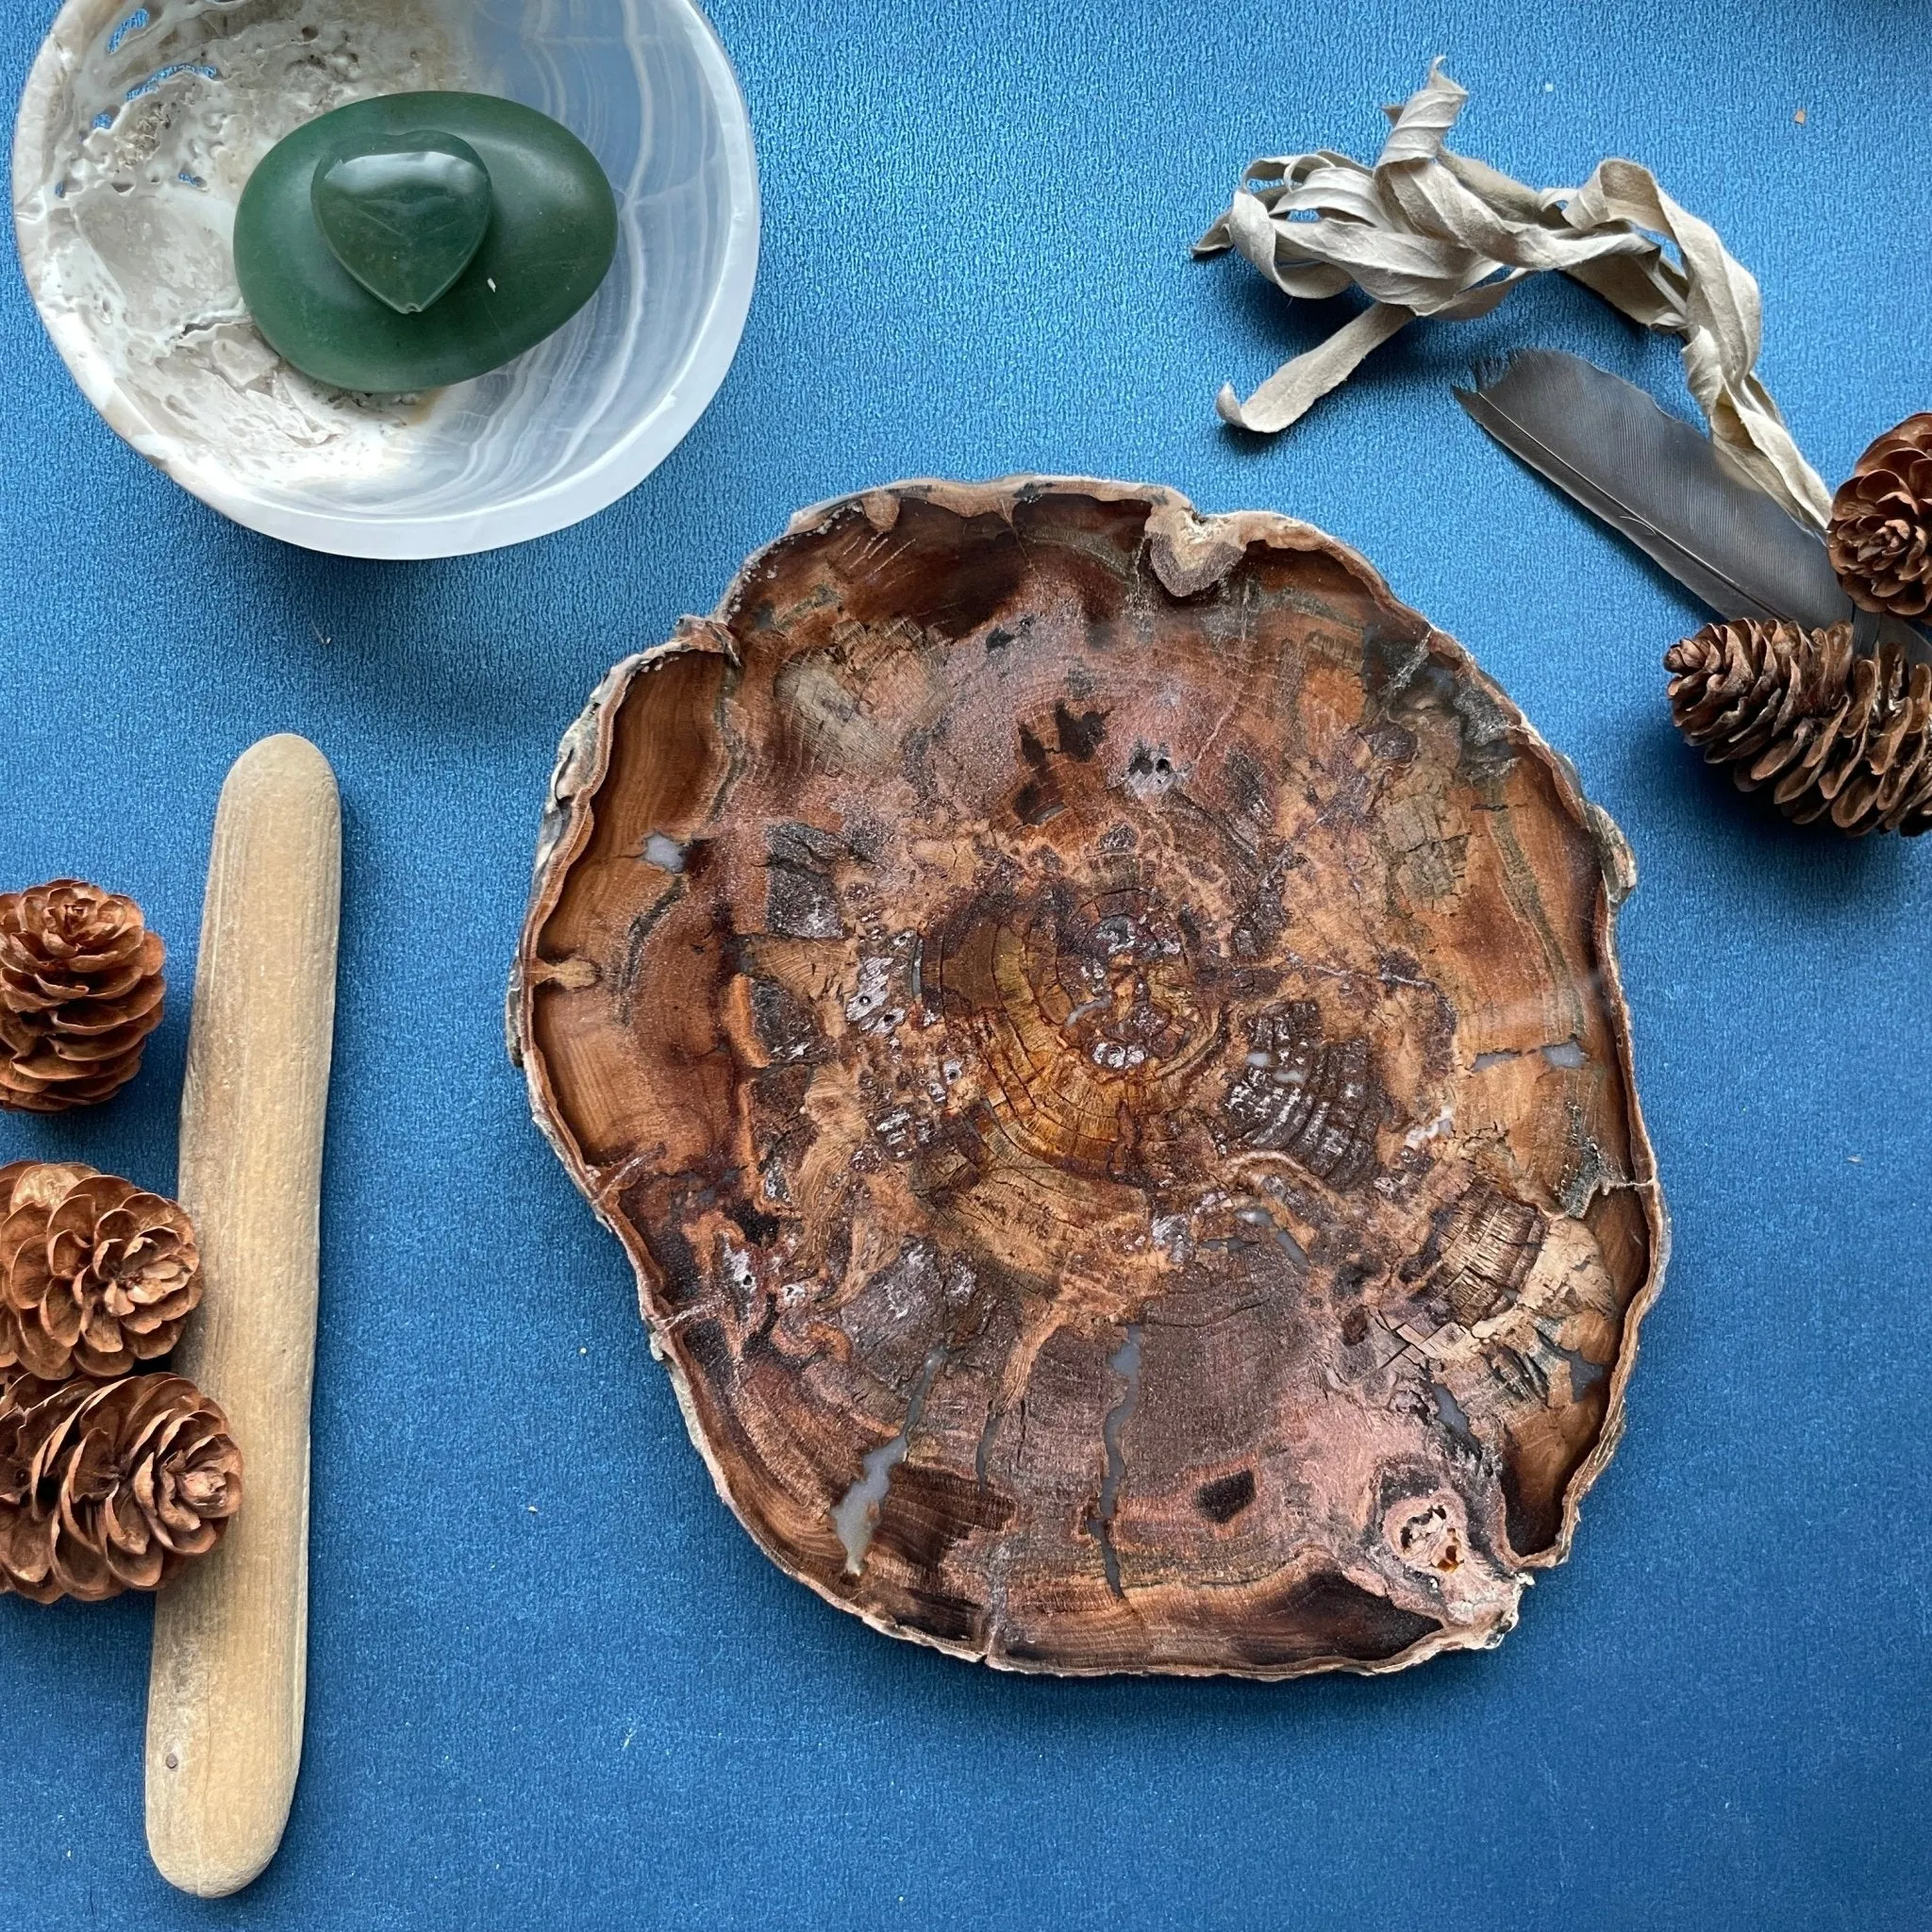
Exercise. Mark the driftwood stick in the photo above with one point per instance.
(230, 1645)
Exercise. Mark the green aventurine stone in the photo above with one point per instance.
(406, 219)
(548, 242)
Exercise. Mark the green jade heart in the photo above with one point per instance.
(417, 239)
(405, 220)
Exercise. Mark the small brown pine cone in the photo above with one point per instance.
(1831, 730)
(96, 1275)
(80, 990)
(110, 1485)
(1880, 536)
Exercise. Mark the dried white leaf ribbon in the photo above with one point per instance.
(1427, 232)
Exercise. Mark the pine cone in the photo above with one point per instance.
(1831, 730)
(80, 990)
(110, 1485)
(1880, 537)
(96, 1275)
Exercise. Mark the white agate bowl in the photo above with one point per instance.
(142, 122)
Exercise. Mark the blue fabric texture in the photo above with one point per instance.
(553, 1684)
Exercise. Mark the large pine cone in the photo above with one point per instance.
(1880, 537)
(110, 1485)
(96, 1275)
(1831, 730)
(80, 990)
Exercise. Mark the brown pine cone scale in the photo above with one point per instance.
(1833, 732)
(1880, 534)
(95, 1274)
(110, 1485)
(81, 990)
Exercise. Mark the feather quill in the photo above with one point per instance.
(1658, 481)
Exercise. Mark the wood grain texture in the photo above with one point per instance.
(1100, 1032)
(230, 1645)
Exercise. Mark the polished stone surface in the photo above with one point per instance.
(331, 220)
(405, 215)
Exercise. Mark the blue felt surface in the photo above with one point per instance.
(553, 1683)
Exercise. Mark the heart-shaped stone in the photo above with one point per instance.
(404, 213)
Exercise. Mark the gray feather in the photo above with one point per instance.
(1657, 480)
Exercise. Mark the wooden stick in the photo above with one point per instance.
(231, 1636)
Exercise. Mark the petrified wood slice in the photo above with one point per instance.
(1099, 1031)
